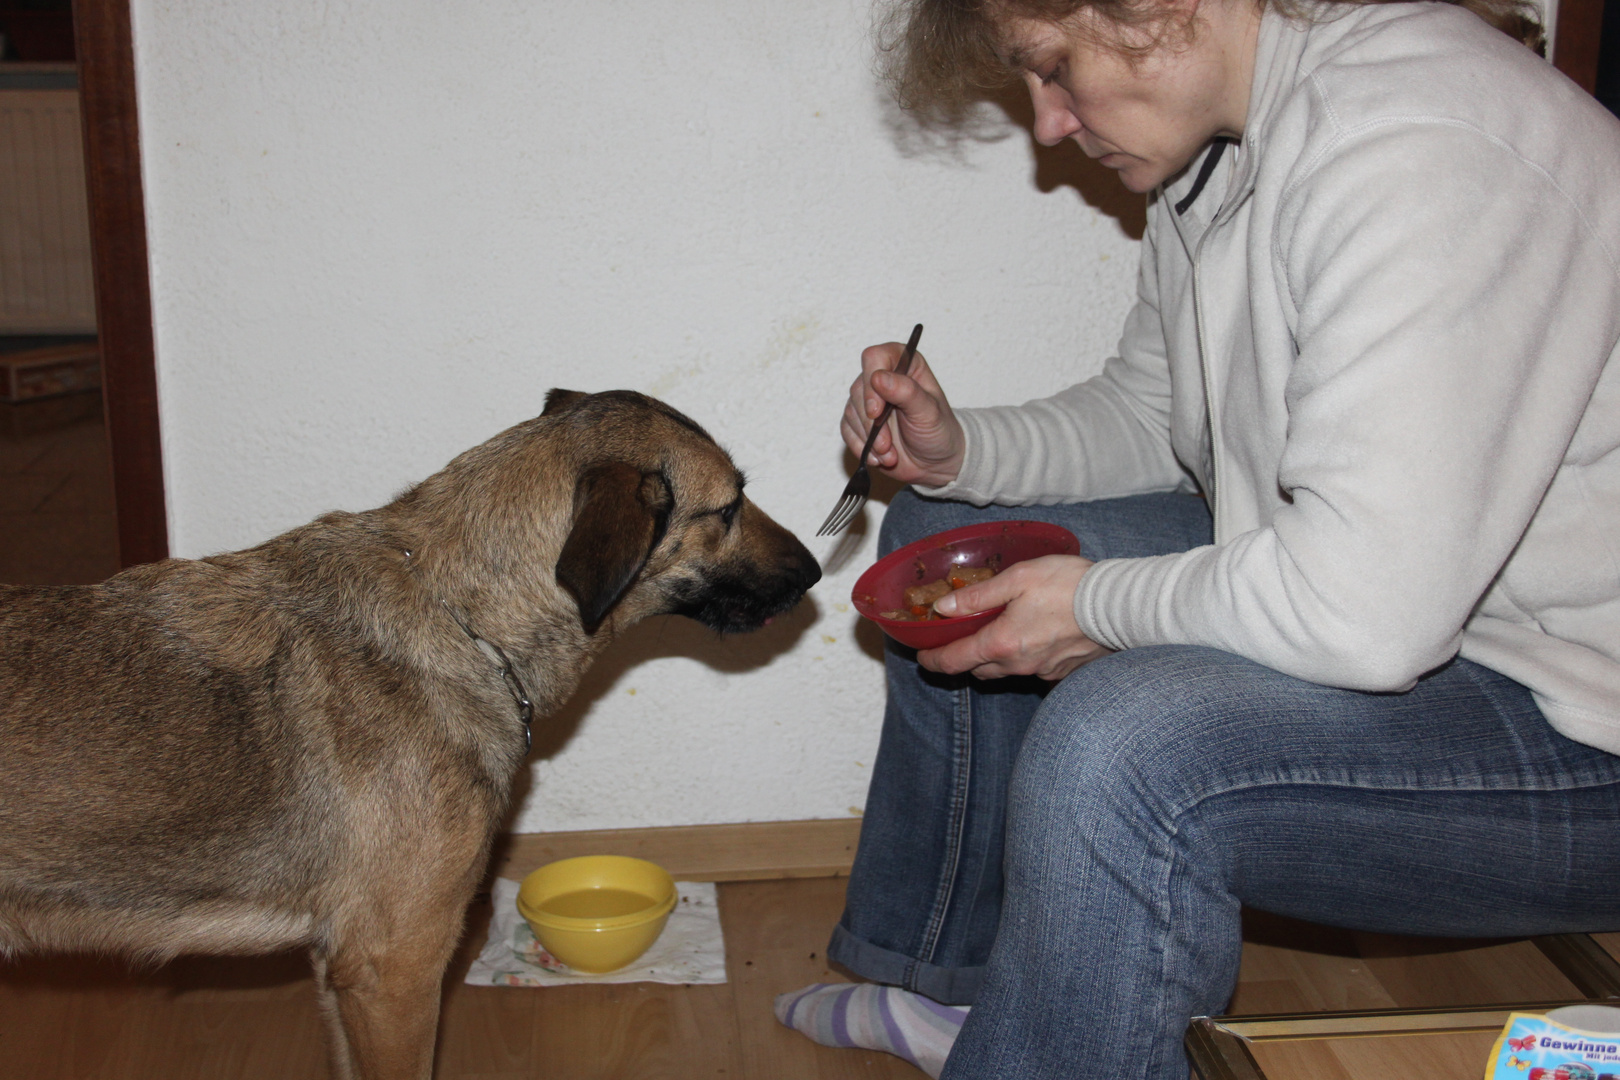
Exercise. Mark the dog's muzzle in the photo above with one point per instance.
(739, 598)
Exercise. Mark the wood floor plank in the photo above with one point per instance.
(1302, 1061)
(236, 1038)
(1452, 1056)
(70, 1018)
(1430, 973)
(1277, 979)
(487, 1031)
(776, 941)
(631, 1031)
(1290, 966)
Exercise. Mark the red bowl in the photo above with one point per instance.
(992, 543)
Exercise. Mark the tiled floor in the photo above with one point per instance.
(56, 508)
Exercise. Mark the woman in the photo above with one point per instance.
(1372, 677)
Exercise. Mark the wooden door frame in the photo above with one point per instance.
(112, 167)
(1580, 33)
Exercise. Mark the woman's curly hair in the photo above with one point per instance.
(941, 58)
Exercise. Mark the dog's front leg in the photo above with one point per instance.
(339, 1056)
(381, 998)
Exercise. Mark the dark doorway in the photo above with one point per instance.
(57, 521)
(81, 490)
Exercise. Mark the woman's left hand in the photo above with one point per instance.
(1036, 635)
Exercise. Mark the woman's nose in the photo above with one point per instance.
(1054, 120)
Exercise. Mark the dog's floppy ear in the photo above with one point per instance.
(558, 399)
(620, 514)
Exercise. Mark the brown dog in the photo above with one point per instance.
(312, 742)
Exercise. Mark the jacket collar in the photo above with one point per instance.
(1279, 51)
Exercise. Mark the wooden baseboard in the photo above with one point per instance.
(756, 851)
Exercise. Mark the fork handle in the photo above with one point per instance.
(883, 417)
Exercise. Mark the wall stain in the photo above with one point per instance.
(669, 380)
(790, 337)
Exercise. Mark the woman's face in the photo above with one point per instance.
(1144, 117)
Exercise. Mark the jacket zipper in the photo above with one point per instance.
(1209, 391)
(1212, 481)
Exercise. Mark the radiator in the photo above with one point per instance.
(46, 285)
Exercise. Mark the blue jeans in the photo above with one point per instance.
(1072, 859)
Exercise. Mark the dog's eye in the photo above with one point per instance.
(729, 514)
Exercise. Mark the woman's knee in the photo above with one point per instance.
(1142, 731)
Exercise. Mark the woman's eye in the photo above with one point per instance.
(1051, 76)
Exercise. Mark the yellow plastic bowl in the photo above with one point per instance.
(597, 913)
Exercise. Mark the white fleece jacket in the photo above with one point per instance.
(1383, 342)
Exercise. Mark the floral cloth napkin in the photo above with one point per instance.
(690, 950)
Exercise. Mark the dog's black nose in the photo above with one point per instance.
(801, 565)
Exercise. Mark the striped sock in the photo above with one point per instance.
(875, 1017)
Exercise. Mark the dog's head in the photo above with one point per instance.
(633, 510)
(661, 523)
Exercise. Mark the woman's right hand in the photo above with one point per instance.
(922, 443)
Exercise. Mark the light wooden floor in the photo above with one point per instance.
(217, 1019)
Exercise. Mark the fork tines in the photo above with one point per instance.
(844, 511)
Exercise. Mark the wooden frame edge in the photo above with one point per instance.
(754, 851)
(1378, 1023)
(116, 196)
(1218, 1046)
(1215, 1053)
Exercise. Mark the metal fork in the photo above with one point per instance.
(860, 485)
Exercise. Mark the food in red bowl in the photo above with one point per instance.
(993, 544)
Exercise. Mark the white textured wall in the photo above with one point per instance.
(381, 230)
